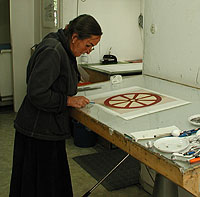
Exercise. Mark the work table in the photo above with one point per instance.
(100, 72)
(113, 128)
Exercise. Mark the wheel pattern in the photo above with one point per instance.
(132, 100)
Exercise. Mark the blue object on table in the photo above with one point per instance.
(189, 153)
(189, 132)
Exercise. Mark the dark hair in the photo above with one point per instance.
(85, 26)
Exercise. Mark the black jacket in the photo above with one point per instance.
(52, 75)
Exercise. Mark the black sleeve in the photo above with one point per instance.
(46, 71)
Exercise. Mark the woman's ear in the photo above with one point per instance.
(74, 37)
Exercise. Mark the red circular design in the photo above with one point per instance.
(132, 100)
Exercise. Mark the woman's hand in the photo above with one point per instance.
(77, 101)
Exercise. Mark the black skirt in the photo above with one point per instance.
(40, 168)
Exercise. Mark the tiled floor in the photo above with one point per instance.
(81, 180)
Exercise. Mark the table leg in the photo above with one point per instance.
(163, 187)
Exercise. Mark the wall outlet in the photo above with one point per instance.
(153, 28)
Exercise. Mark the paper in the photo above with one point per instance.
(134, 107)
(150, 134)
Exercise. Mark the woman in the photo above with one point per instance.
(40, 167)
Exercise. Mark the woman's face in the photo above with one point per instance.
(79, 47)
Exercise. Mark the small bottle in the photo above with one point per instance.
(84, 59)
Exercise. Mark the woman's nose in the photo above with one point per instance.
(90, 50)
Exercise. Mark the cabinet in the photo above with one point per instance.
(6, 85)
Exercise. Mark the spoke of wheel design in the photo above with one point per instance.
(129, 104)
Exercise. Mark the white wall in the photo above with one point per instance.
(119, 22)
(69, 11)
(173, 52)
(22, 39)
